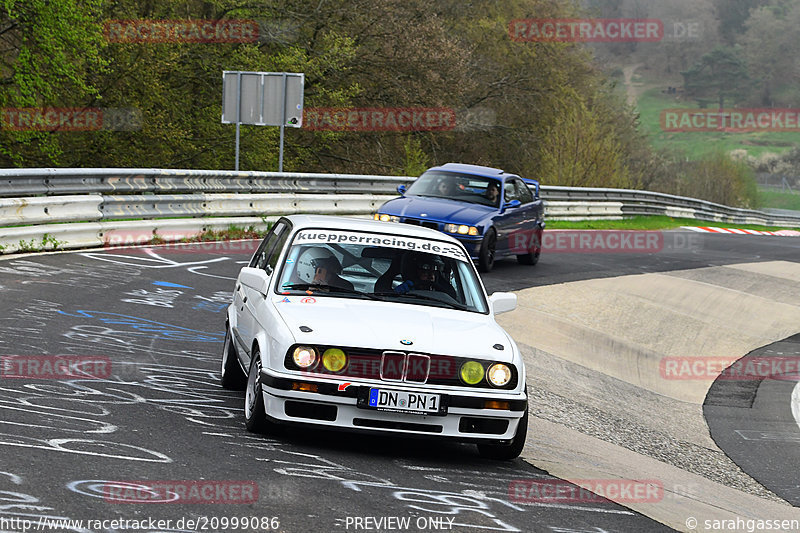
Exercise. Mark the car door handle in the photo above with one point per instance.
(245, 299)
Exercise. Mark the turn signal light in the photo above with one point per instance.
(305, 387)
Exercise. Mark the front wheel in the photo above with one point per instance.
(488, 249)
(255, 417)
(506, 452)
(231, 375)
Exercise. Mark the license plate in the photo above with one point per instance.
(405, 402)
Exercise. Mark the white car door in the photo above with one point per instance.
(251, 283)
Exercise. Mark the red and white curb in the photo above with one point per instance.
(736, 231)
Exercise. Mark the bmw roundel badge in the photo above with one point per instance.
(406, 342)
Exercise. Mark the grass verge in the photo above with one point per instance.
(651, 223)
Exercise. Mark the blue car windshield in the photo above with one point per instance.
(459, 187)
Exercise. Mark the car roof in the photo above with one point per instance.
(478, 170)
(363, 224)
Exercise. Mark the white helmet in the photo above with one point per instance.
(313, 258)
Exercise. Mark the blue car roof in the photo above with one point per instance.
(478, 170)
(488, 172)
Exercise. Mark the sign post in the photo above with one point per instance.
(262, 99)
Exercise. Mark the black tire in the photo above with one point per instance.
(255, 416)
(533, 257)
(231, 375)
(488, 249)
(511, 451)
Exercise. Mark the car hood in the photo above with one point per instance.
(441, 209)
(382, 325)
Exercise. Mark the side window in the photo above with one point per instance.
(262, 254)
(260, 257)
(525, 194)
(276, 250)
(510, 191)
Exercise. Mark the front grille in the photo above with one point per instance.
(423, 223)
(393, 366)
(397, 366)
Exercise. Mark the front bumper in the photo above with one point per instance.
(466, 420)
(472, 244)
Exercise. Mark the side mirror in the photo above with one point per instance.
(503, 302)
(512, 204)
(401, 189)
(256, 279)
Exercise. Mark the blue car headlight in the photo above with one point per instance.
(386, 218)
(461, 229)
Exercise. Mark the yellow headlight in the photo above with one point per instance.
(463, 230)
(334, 359)
(471, 372)
(499, 374)
(304, 356)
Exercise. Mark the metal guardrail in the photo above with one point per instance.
(93, 207)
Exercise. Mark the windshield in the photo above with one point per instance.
(455, 186)
(375, 266)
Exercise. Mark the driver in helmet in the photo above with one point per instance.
(424, 272)
(318, 266)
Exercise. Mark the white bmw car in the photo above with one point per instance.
(366, 326)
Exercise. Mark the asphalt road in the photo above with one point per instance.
(90, 449)
(749, 416)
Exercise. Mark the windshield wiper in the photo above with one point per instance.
(329, 288)
(418, 296)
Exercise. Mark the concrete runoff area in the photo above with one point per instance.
(601, 406)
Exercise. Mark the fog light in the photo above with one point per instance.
(471, 372)
(499, 375)
(304, 356)
(334, 359)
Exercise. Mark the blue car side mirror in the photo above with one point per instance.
(512, 204)
(401, 189)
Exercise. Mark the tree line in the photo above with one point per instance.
(540, 109)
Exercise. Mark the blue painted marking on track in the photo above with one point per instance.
(170, 284)
(142, 326)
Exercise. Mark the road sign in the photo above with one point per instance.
(262, 99)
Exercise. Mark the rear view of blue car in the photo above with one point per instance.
(493, 213)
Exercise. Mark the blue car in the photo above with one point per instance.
(494, 214)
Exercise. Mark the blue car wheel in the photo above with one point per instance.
(488, 249)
